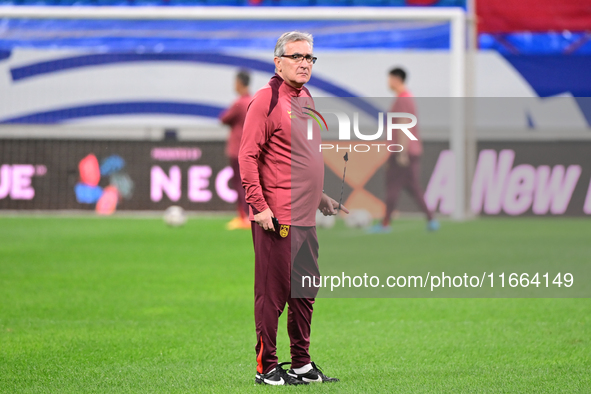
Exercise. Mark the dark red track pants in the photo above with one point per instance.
(275, 256)
(398, 178)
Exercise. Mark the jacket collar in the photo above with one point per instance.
(293, 91)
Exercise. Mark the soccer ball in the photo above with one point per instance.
(358, 218)
(175, 216)
(324, 221)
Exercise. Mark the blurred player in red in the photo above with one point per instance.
(403, 168)
(234, 117)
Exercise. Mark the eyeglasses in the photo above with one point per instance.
(297, 57)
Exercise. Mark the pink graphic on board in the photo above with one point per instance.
(176, 154)
(165, 183)
(498, 186)
(199, 179)
(88, 190)
(90, 173)
(587, 206)
(16, 180)
(107, 204)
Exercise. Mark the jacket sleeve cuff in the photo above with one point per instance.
(259, 207)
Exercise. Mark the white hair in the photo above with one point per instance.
(292, 36)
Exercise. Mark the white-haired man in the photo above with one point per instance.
(283, 173)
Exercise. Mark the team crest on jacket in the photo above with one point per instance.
(284, 230)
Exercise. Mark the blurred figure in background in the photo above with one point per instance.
(403, 168)
(234, 117)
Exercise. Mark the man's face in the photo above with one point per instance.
(238, 85)
(394, 82)
(295, 73)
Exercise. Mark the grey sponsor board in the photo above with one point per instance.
(512, 178)
(66, 174)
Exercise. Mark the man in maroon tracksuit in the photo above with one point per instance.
(234, 117)
(282, 173)
(402, 171)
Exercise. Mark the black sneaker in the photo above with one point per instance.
(277, 377)
(313, 375)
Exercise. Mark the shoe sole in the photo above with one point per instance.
(319, 380)
(259, 380)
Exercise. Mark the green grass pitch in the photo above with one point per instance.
(117, 305)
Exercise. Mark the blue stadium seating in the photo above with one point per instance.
(333, 3)
(186, 2)
(113, 2)
(36, 2)
(369, 3)
(286, 3)
(395, 3)
(226, 2)
(148, 2)
(75, 2)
